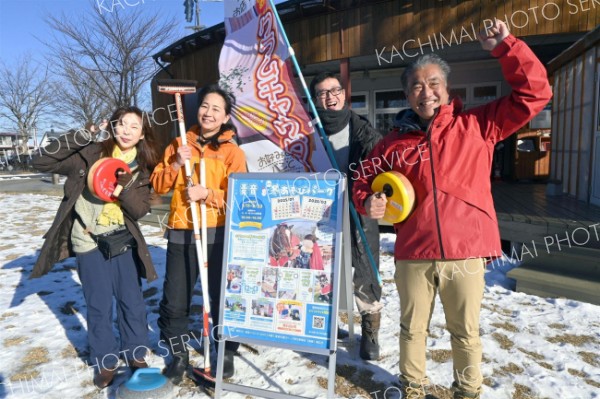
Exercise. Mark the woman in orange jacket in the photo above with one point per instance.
(212, 139)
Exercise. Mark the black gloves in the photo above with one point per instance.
(124, 178)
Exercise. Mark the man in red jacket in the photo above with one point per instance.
(446, 153)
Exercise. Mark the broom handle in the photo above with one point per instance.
(193, 207)
(204, 265)
(203, 210)
(200, 243)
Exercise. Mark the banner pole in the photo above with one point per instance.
(326, 142)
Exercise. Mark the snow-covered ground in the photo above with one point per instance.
(533, 347)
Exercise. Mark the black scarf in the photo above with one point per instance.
(334, 121)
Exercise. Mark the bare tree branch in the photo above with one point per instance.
(79, 101)
(107, 52)
(25, 94)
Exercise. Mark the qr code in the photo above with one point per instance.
(318, 322)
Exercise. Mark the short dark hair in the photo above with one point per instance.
(320, 78)
(420, 63)
(229, 100)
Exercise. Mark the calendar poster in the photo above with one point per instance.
(281, 257)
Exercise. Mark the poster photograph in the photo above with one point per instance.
(280, 258)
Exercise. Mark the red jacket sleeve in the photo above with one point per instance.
(363, 172)
(530, 93)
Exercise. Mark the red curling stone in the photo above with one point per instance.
(102, 178)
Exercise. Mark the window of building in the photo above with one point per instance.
(383, 106)
(459, 92)
(476, 94)
(360, 103)
(387, 104)
(5, 141)
(543, 120)
(526, 145)
(485, 93)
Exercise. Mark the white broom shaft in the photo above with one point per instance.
(202, 260)
(203, 207)
(204, 266)
(182, 132)
(188, 172)
(200, 253)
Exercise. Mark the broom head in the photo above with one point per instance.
(173, 86)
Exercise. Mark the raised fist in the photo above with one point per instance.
(491, 36)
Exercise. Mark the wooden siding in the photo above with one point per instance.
(573, 124)
(201, 66)
(354, 28)
(377, 25)
(586, 130)
(526, 213)
(359, 31)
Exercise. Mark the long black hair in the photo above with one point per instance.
(229, 100)
(148, 153)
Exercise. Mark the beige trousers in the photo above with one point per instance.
(460, 284)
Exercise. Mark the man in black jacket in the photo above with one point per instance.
(352, 137)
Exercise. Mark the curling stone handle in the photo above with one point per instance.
(119, 187)
(388, 190)
(145, 370)
(117, 191)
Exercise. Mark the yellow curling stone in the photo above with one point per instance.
(400, 195)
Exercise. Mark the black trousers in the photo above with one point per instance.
(366, 287)
(180, 278)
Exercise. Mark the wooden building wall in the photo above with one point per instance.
(374, 25)
(353, 28)
(573, 111)
(360, 30)
(201, 66)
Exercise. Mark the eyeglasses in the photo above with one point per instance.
(336, 91)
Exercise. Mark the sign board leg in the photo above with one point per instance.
(219, 377)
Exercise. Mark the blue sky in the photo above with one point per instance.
(23, 24)
(23, 20)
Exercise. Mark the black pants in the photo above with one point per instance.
(366, 287)
(180, 279)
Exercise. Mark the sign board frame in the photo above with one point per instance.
(258, 205)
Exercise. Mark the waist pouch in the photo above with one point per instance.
(115, 242)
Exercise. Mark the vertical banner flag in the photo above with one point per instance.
(274, 127)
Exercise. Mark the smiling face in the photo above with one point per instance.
(427, 90)
(325, 94)
(212, 114)
(307, 246)
(128, 131)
